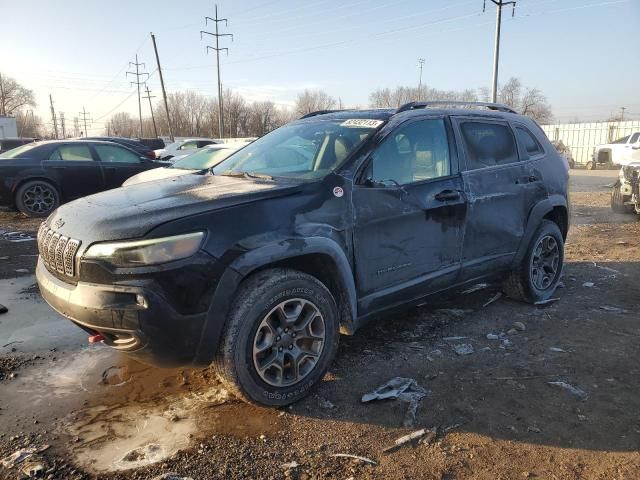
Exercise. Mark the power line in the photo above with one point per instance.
(138, 74)
(218, 49)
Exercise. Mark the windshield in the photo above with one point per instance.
(305, 150)
(203, 159)
(14, 152)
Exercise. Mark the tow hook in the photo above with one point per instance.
(96, 338)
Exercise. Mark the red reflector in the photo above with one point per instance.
(96, 338)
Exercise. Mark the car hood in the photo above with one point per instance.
(156, 174)
(132, 211)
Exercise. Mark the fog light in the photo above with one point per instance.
(140, 300)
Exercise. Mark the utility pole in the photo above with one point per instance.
(4, 110)
(64, 133)
(217, 49)
(138, 74)
(622, 109)
(153, 119)
(164, 92)
(420, 64)
(84, 118)
(53, 117)
(496, 52)
(76, 127)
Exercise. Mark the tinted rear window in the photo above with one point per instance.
(488, 144)
(528, 142)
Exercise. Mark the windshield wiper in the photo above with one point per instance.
(246, 175)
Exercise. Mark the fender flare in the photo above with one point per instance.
(537, 213)
(252, 260)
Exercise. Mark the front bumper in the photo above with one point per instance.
(132, 319)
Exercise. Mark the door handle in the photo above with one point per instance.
(445, 195)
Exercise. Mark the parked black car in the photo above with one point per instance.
(309, 231)
(129, 143)
(7, 144)
(37, 177)
(152, 143)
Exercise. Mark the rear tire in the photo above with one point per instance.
(279, 339)
(618, 199)
(591, 165)
(37, 198)
(537, 276)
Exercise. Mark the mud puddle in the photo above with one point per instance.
(112, 413)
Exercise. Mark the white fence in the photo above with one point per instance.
(580, 138)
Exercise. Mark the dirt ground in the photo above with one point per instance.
(501, 412)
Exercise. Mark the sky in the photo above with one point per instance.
(582, 54)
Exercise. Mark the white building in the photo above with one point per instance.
(8, 127)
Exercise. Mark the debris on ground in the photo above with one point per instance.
(557, 350)
(612, 271)
(324, 403)
(171, 476)
(581, 394)
(588, 284)
(475, 288)
(16, 236)
(404, 389)
(463, 349)
(495, 298)
(21, 455)
(406, 439)
(354, 457)
(290, 465)
(3, 309)
(453, 312)
(609, 308)
(492, 336)
(22, 270)
(520, 326)
(33, 467)
(453, 339)
(546, 302)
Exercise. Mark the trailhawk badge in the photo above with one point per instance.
(338, 191)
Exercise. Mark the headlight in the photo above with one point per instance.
(146, 252)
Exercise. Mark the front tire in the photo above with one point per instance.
(618, 199)
(37, 198)
(280, 337)
(591, 165)
(537, 276)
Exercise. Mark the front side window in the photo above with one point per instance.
(303, 150)
(621, 140)
(74, 153)
(113, 154)
(528, 141)
(415, 152)
(488, 144)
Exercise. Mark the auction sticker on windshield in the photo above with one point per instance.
(362, 123)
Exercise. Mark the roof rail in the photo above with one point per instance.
(491, 106)
(318, 112)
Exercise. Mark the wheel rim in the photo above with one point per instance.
(38, 198)
(288, 342)
(545, 262)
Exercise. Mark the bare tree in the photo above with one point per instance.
(122, 124)
(29, 125)
(386, 98)
(526, 100)
(312, 101)
(14, 96)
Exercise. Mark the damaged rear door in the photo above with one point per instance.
(409, 211)
(496, 183)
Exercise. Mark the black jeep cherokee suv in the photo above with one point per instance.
(257, 265)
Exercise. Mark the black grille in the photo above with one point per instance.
(57, 252)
